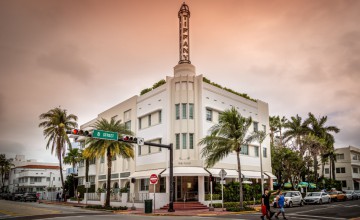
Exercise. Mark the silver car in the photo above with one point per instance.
(351, 194)
(317, 197)
(293, 198)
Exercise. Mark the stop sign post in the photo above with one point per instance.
(153, 180)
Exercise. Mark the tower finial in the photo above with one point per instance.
(184, 38)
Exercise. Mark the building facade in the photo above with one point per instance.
(181, 110)
(347, 167)
(33, 176)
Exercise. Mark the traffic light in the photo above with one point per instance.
(79, 132)
(130, 139)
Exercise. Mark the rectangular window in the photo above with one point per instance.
(53, 178)
(340, 169)
(191, 141)
(184, 110)
(256, 151)
(244, 150)
(191, 111)
(144, 185)
(355, 170)
(92, 161)
(327, 170)
(47, 179)
(163, 184)
(264, 152)
(127, 115)
(184, 142)
(208, 115)
(264, 128)
(149, 120)
(343, 183)
(340, 156)
(256, 128)
(355, 157)
(177, 141)
(177, 111)
(128, 125)
(160, 116)
(139, 123)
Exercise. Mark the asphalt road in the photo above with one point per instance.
(20, 210)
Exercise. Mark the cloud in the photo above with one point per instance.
(66, 60)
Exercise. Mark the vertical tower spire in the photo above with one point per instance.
(184, 20)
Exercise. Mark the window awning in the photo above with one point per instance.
(229, 173)
(187, 171)
(251, 174)
(272, 176)
(145, 173)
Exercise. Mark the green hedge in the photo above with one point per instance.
(214, 197)
(237, 209)
(107, 207)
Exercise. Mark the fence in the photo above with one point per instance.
(138, 197)
(93, 196)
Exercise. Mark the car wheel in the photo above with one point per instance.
(320, 202)
(290, 204)
(301, 203)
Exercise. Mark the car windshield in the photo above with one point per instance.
(314, 194)
(288, 194)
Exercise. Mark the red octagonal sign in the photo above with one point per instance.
(153, 179)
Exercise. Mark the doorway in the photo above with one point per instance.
(186, 188)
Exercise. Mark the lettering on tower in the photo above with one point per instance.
(184, 18)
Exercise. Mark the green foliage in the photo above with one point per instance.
(244, 95)
(238, 209)
(107, 207)
(69, 185)
(231, 205)
(231, 192)
(124, 190)
(214, 197)
(157, 84)
(82, 189)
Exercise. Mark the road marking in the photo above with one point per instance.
(10, 213)
(314, 216)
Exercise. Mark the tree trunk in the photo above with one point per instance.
(240, 180)
(323, 168)
(333, 169)
(315, 168)
(109, 162)
(61, 175)
(87, 164)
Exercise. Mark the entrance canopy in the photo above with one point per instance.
(229, 173)
(187, 171)
(272, 176)
(145, 173)
(245, 173)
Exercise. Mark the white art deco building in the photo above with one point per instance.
(180, 110)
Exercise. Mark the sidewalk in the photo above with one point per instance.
(160, 212)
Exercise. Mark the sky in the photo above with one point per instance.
(86, 56)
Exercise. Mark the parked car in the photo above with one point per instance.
(350, 194)
(337, 196)
(31, 197)
(293, 198)
(317, 197)
(16, 196)
(357, 193)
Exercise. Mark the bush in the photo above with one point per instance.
(107, 207)
(214, 197)
(237, 209)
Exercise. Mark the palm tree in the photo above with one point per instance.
(295, 130)
(5, 167)
(318, 128)
(73, 157)
(274, 126)
(55, 123)
(100, 147)
(226, 137)
(259, 136)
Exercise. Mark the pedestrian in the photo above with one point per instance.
(280, 199)
(265, 203)
(57, 197)
(78, 196)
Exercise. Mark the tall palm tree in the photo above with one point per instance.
(259, 136)
(5, 167)
(317, 127)
(226, 137)
(274, 127)
(295, 130)
(73, 157)
(55, 122)
(100, 147)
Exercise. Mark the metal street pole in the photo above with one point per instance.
(172, 194)
(261, 171)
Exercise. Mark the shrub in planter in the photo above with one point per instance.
(237, 209)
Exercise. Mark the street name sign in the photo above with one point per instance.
(106, 135)
(140, 141)
(154, 179)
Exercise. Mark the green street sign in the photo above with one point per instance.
(107, 135)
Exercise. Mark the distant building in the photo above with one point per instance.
(347, 167)
(33, 176)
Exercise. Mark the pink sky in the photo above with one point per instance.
(86, 56)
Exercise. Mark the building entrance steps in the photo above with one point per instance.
(186, 206)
